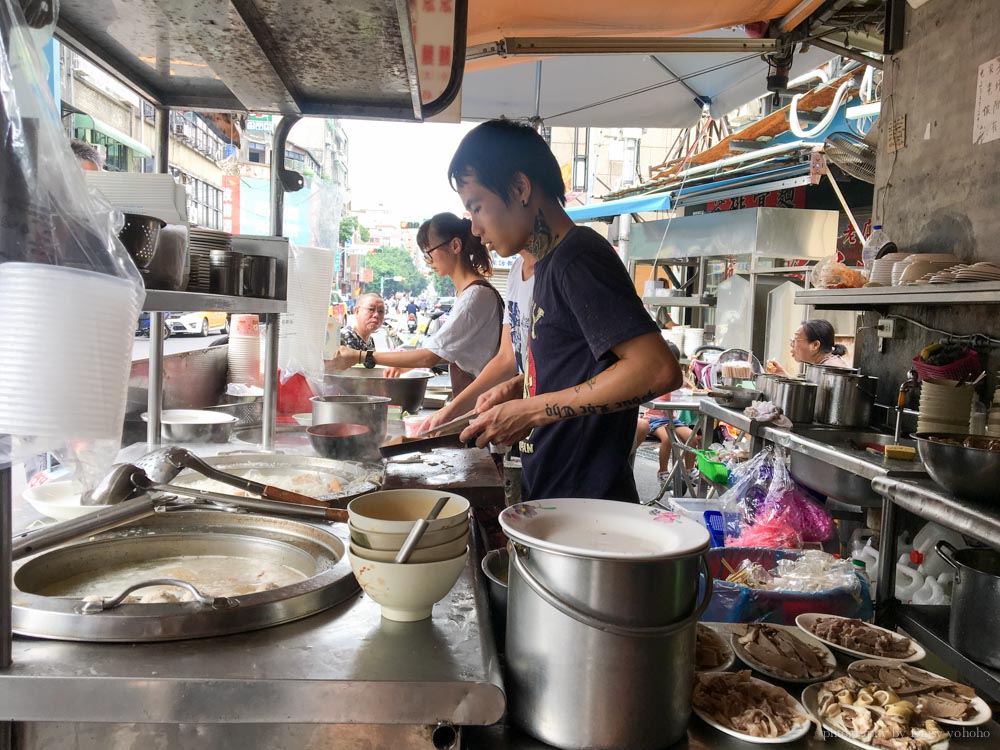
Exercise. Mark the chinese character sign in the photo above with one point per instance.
(986, 125)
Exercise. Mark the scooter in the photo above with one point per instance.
(411, 323)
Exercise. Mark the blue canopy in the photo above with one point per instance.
(630, 205)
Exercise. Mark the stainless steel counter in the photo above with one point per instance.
(344, 673)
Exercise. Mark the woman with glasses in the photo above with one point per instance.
(370, 314)
(471, 335)
(813, 344)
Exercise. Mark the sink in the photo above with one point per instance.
(845, 469)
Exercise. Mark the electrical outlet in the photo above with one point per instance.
(889, 328)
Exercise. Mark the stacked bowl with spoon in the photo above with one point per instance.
(405, 555)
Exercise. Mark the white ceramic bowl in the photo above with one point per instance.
(436, 553)
(59, 500)
(394, 511)
(407, 592)
(305, 418)
(392, 542)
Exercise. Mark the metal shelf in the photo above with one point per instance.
(929, 625)
(164, 301)
(705, 301)
(868, 298)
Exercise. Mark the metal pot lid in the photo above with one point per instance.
(604, 529)
(313, 557)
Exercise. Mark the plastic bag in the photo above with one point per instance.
(68, 288)
(302, 333)
(733, 602)
(766, 508)
(830, 273)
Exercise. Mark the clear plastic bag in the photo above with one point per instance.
(830, 273)
(68, 288)
(302, 334)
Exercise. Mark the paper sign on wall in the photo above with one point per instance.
(986, 126)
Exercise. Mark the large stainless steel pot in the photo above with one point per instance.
(796, 398)
(316, 551)
(975, 602)
(370, 411)
(600, 652)
(815, 374)
(845, 398)
(407, 392)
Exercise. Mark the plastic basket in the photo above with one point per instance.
(713, 471)
(966, 367)
(716, 527)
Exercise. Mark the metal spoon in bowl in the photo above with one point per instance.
(411, 541)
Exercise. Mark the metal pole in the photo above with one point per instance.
(271, 324)
(538, 90)
(885, 589)
(154, 397)
(6, 530)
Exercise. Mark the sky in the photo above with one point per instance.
(403, 166)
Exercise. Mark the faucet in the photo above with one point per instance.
(911, 382)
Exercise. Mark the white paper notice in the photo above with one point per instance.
(986, 127)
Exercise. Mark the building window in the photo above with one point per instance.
(581, 146)
(257, 153)
(204, 201)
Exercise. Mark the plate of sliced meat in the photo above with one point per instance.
(712, 652)
(933, 696)
(860, 638)
(870, 716)
(747, 708)
(783, 652)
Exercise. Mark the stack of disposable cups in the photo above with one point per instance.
(693, 339)
(244, 350)
(675, 336)
(302, 334)
(65, 351)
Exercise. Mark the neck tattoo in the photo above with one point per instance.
(542, 240)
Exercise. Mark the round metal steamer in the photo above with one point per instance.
(317, 551)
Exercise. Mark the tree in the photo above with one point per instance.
(444, 286)
(348, 226)
(387, 262)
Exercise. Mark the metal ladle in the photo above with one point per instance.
(113, 488)
(162, 465)
(417, 532)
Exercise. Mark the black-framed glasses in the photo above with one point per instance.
(427, 253)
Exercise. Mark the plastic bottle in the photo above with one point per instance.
(860, 569)
(908, 582)
(929, 562)
(930, 593)
(876, 240)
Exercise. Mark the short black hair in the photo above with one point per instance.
(84, 151)
(497, 150)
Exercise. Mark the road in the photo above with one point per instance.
(173, 345)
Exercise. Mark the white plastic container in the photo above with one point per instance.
(930, 593)
(924, 541)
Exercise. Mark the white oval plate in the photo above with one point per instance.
(603, 529)
(727, 649)
(59, 500)
(810, 699)
(983, 712)
(828, 658)
(799, 730)
(807, 621)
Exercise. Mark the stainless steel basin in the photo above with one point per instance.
(841, 468)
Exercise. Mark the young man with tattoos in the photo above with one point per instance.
(594, 354)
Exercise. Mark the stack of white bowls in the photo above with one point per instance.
(302, 334)
(65, 351)
(883, 267)
(244, 350)
(675, 336)
(693, 339)
(944, 406)
(379, 523)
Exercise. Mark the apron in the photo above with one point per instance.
(460, 379)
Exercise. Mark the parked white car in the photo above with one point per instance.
(197, 323)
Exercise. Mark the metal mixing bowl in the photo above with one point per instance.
(195, 426)
(968, 473)
(407, 392)
(348, 442)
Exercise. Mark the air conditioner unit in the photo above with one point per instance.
(178, 130)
